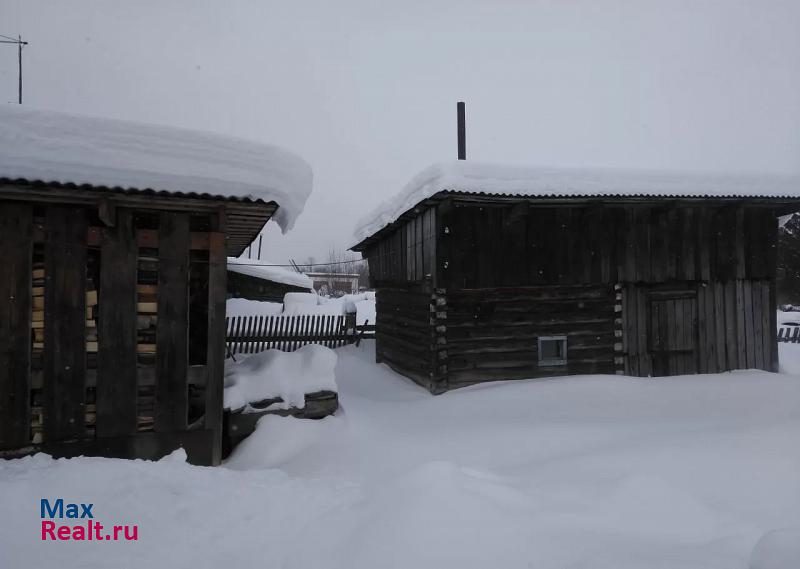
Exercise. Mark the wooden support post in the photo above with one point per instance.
(217, 274)
(116, 358)
(65, 323)
(16, 243)
(172, 353)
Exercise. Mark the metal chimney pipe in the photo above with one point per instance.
(462, 132)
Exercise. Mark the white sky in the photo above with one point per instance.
(365, 91)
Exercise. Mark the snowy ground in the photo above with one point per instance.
(581, 472)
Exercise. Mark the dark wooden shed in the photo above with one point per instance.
(112, 304)
(264, 282)
(487, 273)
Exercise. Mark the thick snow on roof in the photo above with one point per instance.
(54, 147)
(492, 179)
(255, 268)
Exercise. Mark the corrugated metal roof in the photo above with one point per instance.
(128, 191)
(498, 182)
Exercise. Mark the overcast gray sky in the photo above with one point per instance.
(365, 91)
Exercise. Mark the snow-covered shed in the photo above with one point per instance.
(488, 272)
(257, 280)
(114, 238)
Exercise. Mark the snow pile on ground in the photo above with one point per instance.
(788, 352)
(56, 147)
(302, 303)
(351, 303)
(790, 318)
(296, 303)
(476, 177)
(365, 309)
(272, 373)
(246, 307)
(596, 472)
(263, 270)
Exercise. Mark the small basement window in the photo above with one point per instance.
(552, 350)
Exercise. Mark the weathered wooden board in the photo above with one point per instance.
(216, 341)
(15, 323)
(116, 359)
(172, 355)
(65, 316)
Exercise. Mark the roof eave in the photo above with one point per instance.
(245, 217)
(783, 204)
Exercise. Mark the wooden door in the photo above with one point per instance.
(673, 335)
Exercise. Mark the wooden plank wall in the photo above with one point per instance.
(172, 351)
(499, 245)
(116, 358)
(520, 244)
(408, 254)
(734, 329)
(492, 333)
(16, 244)
(65, 317)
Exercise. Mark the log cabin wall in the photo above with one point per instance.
(492, 333)
(79, 378)
(407, 333)
(649, 287)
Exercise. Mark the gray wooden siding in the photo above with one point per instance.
(407, 255)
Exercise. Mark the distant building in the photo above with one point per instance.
(334, 284)
(492, 273)
(257, 280)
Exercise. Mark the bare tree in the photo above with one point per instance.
(340, 262)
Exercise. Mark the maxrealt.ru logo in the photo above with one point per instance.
(88, 529)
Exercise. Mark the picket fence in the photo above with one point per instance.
(252, 334)
(789, 334)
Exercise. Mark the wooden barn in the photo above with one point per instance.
(113, 239)
(258, 280)
(490, 273)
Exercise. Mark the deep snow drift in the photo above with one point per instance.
(272, 373)
(57, 147)
(601, 472)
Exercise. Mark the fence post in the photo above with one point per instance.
(350, 328)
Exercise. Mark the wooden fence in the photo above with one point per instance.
(252, 334)
(789, 334)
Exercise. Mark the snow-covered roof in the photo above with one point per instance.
(46, 146)
(262, 270)
(499, 180)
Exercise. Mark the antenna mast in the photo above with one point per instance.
(20, 43)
